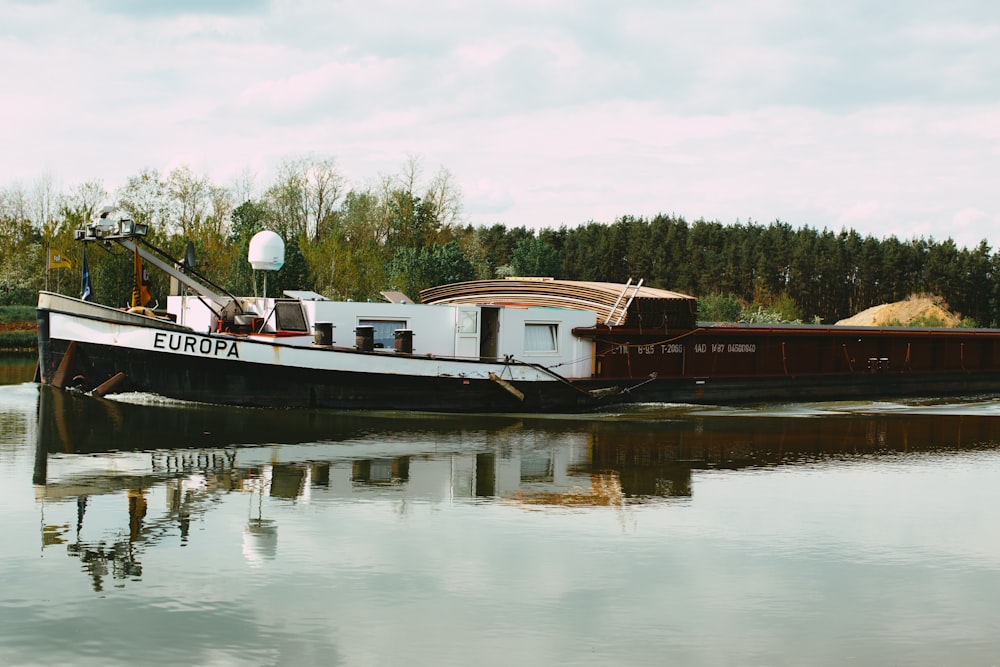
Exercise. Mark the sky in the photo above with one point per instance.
(882, 117)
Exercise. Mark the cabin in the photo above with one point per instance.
(466, 331)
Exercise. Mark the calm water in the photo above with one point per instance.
(137, 531)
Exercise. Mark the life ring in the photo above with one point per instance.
(141, 310)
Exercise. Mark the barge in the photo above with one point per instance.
(521, 345)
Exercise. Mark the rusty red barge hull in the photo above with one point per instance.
(736, 363)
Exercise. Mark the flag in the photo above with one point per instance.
(140, 284)
(87, 290)
(57, 260)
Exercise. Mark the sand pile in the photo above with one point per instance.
(904, 312)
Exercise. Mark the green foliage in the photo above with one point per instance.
(415, 269)
(18, 315)
(760, 315)
(249, 218)
(17, 285)
(22, 258)
(785, 306)
(923, 321)
(534, 257)
(719, 308)
(413, 223)
(928, 321)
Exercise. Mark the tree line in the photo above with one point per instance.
(406, 232)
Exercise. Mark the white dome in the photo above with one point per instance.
(267, 251)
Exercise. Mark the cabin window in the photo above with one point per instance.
(385, 331)
(468, 322)
(289, 317)
(540, 338)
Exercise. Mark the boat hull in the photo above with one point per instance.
(254, 385)
(86, 345)
(82, 345)
(237, 383)
(747, 363)
(803, 388)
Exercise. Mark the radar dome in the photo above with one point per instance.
(267, 251)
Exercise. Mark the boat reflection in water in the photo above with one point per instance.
(183, 459)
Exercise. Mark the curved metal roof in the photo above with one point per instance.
(614, 303)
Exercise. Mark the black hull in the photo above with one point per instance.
(223, 380)
(826, 387)
(229, 382)
(253, 385)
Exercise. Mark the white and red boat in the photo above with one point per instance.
(520, 345)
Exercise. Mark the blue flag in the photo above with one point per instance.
(87, 291)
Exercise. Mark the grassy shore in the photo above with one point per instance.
(18, 331)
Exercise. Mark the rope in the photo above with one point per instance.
(621, 345)
(659, 342)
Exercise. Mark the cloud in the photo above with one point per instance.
(882, 116)
(157, 9)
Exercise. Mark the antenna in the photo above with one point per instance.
(267, 253)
